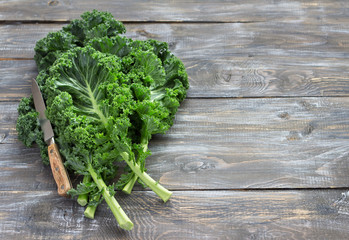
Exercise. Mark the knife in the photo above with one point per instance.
(58, 170)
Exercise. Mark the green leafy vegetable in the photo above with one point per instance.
(28, 127)
(106, 96)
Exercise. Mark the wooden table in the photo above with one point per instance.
(259, 149)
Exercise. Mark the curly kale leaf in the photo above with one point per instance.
(117, 45)
(89, 109)
(79, 32)
(48, 49)
(93, 25)
(28, 127)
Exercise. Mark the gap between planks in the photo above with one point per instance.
(15, 59)
(229, 98)
(207, 190)
(18, 22)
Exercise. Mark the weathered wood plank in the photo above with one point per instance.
(232, 60)
(209, 40)
(236, 143)
(8, 120)
(15, 80)
(188, 215)
(188, 10)
(235, 77)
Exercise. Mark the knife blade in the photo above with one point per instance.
(58, 170)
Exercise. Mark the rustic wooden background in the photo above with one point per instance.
(259, 149)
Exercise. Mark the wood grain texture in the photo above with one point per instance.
(15, 80)
(232, 60)
(309, 39)
(177, 11)
(237, 143)
(188, 215)
(217, 79)
(8, 119)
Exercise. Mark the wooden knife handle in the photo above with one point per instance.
(58, 170)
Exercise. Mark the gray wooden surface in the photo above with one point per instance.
(259, 149)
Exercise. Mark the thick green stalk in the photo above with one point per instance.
(129, 186)
(119, 214)
(83, 198)
(162, 192)
(90, 210)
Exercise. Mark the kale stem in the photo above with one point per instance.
(162, 192)
(90, 210)
(119, 214)
(129, 186)
(83, 198)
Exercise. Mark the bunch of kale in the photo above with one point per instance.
(106, 95)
